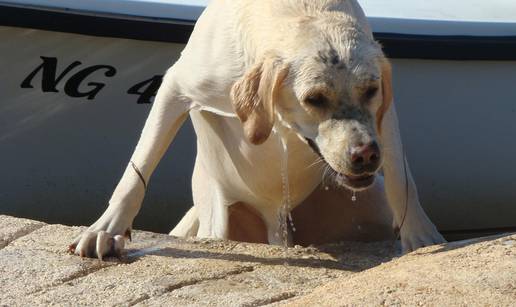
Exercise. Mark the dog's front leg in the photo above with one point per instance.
(416, 228)
(106, 235)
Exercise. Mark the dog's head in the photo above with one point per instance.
(331, 84)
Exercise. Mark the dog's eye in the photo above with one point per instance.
(370, 93)
(317, 100)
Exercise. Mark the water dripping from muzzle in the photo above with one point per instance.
(353, 193)
(284, 215)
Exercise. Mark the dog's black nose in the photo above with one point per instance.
(365, 158)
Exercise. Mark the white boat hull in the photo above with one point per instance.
(73, 106)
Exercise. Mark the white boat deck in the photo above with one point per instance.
(418, 17)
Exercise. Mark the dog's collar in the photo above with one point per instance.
(137, 170)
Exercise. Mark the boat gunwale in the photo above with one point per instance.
(396, 45)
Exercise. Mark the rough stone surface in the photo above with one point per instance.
(159, 270)
(13, 228)
(479, 272)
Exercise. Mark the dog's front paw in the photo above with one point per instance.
(97, 244)
(419, 233)
(106, 237)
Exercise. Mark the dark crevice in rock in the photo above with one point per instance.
(19, 234)
(194, 281)
(72, 277)
(239, 270)
(139, 300)
(84, 272)
(271, 300)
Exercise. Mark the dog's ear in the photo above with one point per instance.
(386, 93)
(254, 96)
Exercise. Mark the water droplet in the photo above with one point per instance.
(291, 220)
(354, 197)
(326, 188)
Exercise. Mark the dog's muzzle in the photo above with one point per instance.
(365, 161)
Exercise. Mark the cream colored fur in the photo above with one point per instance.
(241, 78)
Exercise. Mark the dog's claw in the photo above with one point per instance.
(128, 234)
(71, 248)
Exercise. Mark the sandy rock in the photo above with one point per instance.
(13, 228)
(159, 270)
(479, 272)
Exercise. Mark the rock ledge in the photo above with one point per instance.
(156, 270)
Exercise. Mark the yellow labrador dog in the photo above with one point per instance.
(267, 82)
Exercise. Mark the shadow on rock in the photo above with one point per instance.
(347, 256)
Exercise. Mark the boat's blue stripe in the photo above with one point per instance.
(178, 31)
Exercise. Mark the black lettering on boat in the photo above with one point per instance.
(50, 79)
(72, 85)
(146, 89)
